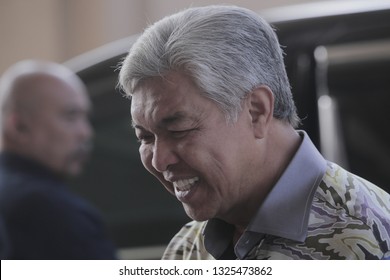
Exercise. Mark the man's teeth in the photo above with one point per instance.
(185, 185)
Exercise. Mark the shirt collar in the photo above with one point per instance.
(285, 211)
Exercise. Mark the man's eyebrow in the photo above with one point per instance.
(176, 117)
(135, 126)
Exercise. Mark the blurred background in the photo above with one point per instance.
(337, 59)
(61, 29)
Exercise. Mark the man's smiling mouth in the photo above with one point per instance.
(185, 185)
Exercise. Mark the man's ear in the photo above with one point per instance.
(15, 126)
(261, 108)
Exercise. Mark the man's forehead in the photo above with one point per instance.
(165, 106)
(166, 100)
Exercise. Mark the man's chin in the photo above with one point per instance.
(195, 215)
(76, 164)
(74, 169)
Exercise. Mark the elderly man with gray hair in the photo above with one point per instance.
(215, 117)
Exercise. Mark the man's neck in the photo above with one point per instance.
(280, 147)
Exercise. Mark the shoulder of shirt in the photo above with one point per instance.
(342, 190)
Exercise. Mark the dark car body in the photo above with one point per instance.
(338, 62)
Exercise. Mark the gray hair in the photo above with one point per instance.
(227, 51)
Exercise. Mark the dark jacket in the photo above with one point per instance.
(43, 219)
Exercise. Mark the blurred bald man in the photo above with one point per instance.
(45, 137)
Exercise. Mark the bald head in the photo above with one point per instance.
(44, 115)
(24, 83)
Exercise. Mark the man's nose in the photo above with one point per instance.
(164, 155)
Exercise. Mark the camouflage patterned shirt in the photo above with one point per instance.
(317, 210)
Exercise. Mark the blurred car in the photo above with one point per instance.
(338, 62)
